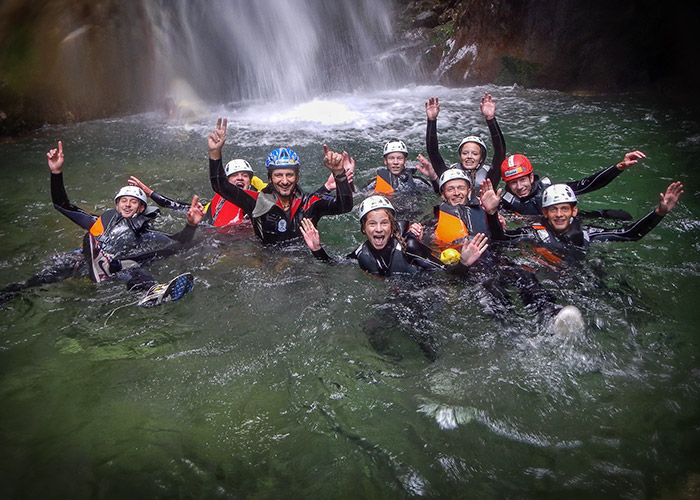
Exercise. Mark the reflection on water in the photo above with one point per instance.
(281, 376)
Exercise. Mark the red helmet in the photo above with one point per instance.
(515, 166)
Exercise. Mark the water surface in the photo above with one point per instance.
(284, 377)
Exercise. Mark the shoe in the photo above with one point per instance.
(568, 320)
(175, 289)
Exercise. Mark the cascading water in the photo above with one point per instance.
(283, 377)
(287, 50)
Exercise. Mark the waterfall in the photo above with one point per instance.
(276, 50)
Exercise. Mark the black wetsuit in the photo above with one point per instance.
(128, 241)
(532, 203)
(273, 224)
(577, 237)
(405, 182)
(479, 174)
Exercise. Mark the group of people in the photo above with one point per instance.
(469, 219)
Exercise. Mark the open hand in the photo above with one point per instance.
(310, 234)
(630, 159)
(432, 108)
(134, 181)
(488, 106)
(669, 199)
(472, 250)
(489, 198)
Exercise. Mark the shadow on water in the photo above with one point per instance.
(282, 376)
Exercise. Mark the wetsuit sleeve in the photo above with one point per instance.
(432, 147)
(632, 232)
(228, 191)
(510, 236)
(186, 235)
(62, 204)
(340, 204)
(457, 269)
(165, 202)
(321, 254)
(499, 151)
(595, 181)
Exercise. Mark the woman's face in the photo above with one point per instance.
(470, 155)
(378, 228)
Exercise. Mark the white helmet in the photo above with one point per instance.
(395, 146)
(454, 173)
(134, 191)
(237, 165)
(477, 140)
(558, 193)
(373, 203)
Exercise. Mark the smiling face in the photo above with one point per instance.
(559, 216)
(378, 227)
(284, 180)
(240, 179)
(395, 162)
(470, 155)
(455, 192)
(128, 206)
(522, 186)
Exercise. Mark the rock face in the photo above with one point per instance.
(556, 44)
(71, 60)
(64, 61)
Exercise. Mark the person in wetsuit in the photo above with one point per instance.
(277, 210)
(395, 176)
(393, 247)
(561, 232)
(524, 188)
(117, 242)
(458, 217)
(472, 151)
(219, 213)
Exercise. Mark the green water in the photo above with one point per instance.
(283, 377)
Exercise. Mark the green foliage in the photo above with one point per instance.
(517, 71)
(441, 34)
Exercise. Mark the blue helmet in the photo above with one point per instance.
(282, 158)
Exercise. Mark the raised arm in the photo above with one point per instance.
(432, 110)
(636, 230)
(217, 176)
(313, 240)
(159, 199)
(604, 177)
(59, 197)
(488, 109)
(342, 202)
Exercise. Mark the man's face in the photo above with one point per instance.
(521, 186)
(377, 228)
(559, 216)
(470, 155)
(240, 179)
(284, 180)
(455, 192)
(128, 206)
(395, 162)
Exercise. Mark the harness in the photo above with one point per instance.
(225, 213)
(383, 263)
(529, 205)
(458, 222)
(388, 183)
